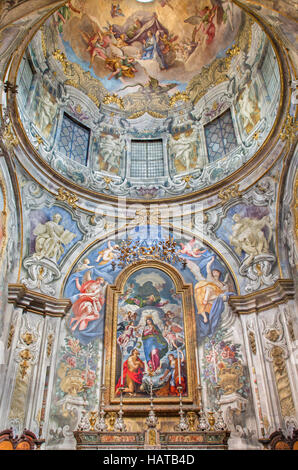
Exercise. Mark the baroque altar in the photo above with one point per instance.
(199, 440)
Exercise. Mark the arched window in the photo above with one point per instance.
(147, 160)
(220, 136)
(269, 72)
(25, 77)
(74, 140)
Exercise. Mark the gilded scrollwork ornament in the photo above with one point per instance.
(252, 341)
(229, 193)
(8, 135)
(289, 130)
(68, 197)
(25, 357)
(113, 99)
(10, 335)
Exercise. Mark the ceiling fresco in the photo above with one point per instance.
(127, 44)
(201, 78)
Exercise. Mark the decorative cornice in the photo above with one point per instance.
(282, 291)
(34, 302)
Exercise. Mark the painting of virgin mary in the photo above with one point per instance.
(154, 344)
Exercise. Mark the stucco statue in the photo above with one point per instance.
(248, 106)
(50, 238)
(111, 151)
(46, 112)
(248, 236)
(184, 149)
(289, 239)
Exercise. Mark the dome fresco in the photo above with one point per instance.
(148, 100)
(124, 44)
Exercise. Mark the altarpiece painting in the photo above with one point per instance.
(150, 336)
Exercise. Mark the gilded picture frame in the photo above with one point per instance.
(168, 402)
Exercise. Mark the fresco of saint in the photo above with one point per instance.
(131, 379)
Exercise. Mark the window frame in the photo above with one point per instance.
(223, 143)
(147, 142)
(77, 124)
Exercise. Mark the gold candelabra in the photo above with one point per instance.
(130, 251)
(119, 423)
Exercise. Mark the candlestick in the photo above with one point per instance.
(214, 362)
(121, 369)
(119, 424)
(103, 367)
(179, 371)
(151, 420)
(101, 426)
(183, 425)
(197, 363)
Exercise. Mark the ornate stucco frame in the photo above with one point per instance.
(4, 218)
(166, 404)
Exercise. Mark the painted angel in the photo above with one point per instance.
(204, 20)
(84, 265)
(128, 335)
(90, 302)
(207, 289)
(121, 66)
(96, 45)
(210, 294)
(191, 249)
(104, 256)
(116, 10)
(173, 333)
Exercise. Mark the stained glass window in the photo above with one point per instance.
(74, 140)
(220, 136)
(147, 158)
(24, 80)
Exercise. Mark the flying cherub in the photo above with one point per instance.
(191, 249)
(108, 254)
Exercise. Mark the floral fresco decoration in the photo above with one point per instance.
(223, 366)
(77, 373)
